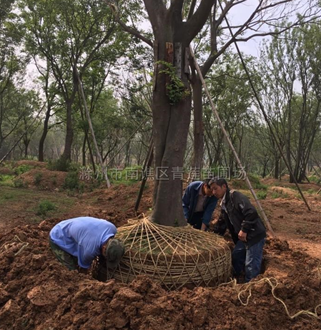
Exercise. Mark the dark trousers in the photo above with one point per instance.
(248, 259)
(196, 220)
(64, 257)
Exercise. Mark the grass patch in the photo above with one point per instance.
(255, 182)
(37, 179)
(44, 207)
(275, 195)
(127, 176)
(6, 180)
(311, 191)
(22, 169)
(261, 194)
(19, 183)
(314, 179)
(25, 203)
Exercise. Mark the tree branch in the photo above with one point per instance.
(175, 10)
(135, 33)
(197, 21)
(126, 28)
(156, 10)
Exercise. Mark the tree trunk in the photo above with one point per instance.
(198, 124)
(83, 150)
(69, 133)
(171, 116)
(170, 130)
(127, 156)
(43, 136)
(26, 142)
(276, 168)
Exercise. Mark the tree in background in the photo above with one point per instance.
(290, 65)
(71, 35)
(233, 97)
(215, 38)
(11, 71)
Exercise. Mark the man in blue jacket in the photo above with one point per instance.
(77, 242)
(199, 204)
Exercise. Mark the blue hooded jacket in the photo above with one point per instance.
(190, 198)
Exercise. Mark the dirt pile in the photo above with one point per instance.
(37, 292)
(43, 179)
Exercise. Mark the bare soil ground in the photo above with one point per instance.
(37, 292)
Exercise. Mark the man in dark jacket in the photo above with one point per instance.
(199, 204)
(246, 228)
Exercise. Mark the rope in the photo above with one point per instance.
(16, 238)
(216, 114)
(273, 284)
(263, 110)
(173, 256)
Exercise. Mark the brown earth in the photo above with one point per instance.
(37, 292)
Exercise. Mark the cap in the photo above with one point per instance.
(114, 251)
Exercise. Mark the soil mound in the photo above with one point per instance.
(37, 292)
(43, 179)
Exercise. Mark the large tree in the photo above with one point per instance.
(174, 27)
(171, 105)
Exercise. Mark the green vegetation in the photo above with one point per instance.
(275, 195)
(6, 180)
(18, 183)
(37, 179)
(44, 207)
(71, 181)
(255, 182)
(279, 194)
(34, 205)
(22, 169)
(314, 179)
(176, 90)
(60, 164)
(261, 194)
(127, 176)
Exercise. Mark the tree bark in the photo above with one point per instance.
(69, 132)
(198, 125)
(43, 136)
(170, 130)
(171, 119)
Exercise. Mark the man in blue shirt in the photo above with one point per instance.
(199, 204)
(76, 242)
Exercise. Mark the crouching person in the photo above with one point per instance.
(77, 242)
(199, 204)
(246, 228)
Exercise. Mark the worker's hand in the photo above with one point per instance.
(204, 227)
(242, 236)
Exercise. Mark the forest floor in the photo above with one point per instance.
(37, 292)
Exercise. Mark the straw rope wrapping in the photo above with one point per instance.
(16, 242)
(244, 291)
(173, 256)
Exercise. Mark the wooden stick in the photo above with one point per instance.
(103, 168)
(265, 219)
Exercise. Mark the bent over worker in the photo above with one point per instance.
(246, 228)
(199, 203)
(76, 242)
